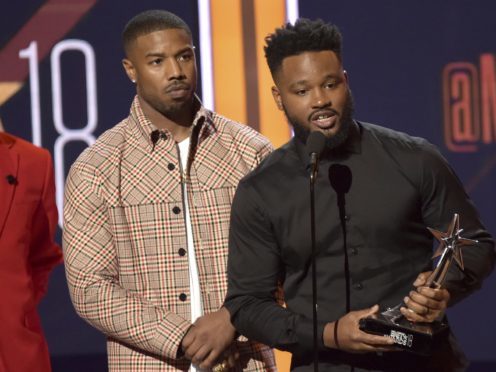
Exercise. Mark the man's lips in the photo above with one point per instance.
(178, 90)
(174, 87)
(324, 119)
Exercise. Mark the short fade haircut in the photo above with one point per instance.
(304, 36)
(150, 21)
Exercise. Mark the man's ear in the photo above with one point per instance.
(277, 97)
(129, 68)
(346, 76)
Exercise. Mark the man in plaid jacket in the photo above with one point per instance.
(146, 216)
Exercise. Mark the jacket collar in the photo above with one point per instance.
(202, 126)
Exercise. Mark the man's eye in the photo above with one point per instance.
(301, 92)
(185, 57)
(156, 61)
(332, 84)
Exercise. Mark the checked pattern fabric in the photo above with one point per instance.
(125, 238)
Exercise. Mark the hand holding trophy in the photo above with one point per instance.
(420, 337)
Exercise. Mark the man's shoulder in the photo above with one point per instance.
(278, 162)
(22, 146)
(391, 137)
(102, 155)
(239, 133)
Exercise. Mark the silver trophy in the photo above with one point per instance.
(420, 337)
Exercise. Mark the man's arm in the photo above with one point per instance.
(213, 333)
(92, 271)
(442, 196)
(208, 340)
(44, 254)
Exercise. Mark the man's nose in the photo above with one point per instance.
(320, 99)
(174, 69)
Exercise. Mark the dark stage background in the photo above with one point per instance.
(427, 68)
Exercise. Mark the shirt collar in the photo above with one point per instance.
(203, 123)
(353, 145)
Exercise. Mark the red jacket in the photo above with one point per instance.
(28, 253)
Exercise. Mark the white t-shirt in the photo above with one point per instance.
(194, 280)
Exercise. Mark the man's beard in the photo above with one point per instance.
(346, 119)
(174, 109)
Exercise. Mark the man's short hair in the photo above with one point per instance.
(150, 21)
(304, 36)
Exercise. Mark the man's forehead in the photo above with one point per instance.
(165, 35)
(172, 40)
(303, 66)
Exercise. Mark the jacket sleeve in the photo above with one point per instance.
(44, 253)
(254, 271)
(442, 196)
(92, 270)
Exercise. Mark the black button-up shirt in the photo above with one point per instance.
(374, 199)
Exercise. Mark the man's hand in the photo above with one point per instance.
(351, 339)
(208, 338)
(425, 304)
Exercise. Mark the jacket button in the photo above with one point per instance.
(183, 297)
(176, 210)
(354, 251)
(181, 251)
(171, 166)
(358, 286)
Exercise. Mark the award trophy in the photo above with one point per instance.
(420, 337)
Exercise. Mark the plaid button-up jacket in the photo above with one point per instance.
(125, 235)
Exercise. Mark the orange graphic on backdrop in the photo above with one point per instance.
(469, 104)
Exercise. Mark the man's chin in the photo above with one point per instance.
(327, 132)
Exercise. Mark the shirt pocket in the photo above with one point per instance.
(147, 238)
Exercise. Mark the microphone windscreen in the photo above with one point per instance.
(316, 142)
(340, 177)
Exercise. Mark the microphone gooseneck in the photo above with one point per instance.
(315, 146)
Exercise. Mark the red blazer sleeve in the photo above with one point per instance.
(44, 252)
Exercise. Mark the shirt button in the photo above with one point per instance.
(358, 286)
(183, 297)
(181, 251)
(354, 251)
(176, 210)
(171, 166)
(347, 218)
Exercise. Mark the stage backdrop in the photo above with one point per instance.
(423, 67)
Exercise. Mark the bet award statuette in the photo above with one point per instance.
(420, 337)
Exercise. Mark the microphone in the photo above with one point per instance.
(341, 178)
(315, 146)
(155, 136)
(11, 180)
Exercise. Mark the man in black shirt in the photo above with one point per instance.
(376, 192)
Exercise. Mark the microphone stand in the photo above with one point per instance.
(315, 146)
(313, 176)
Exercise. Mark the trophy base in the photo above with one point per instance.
(418, 338)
